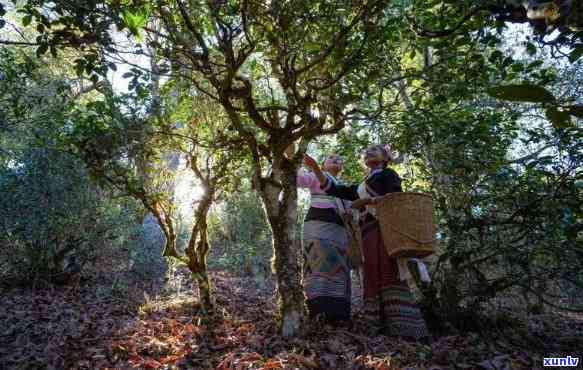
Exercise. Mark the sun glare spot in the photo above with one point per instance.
(187, 192)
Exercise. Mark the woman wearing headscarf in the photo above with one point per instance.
(385, 294)
(326, 276)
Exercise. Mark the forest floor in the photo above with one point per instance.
(113, 320)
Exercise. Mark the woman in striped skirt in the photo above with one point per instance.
(386, 296)
(326, 277)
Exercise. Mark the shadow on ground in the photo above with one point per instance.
(114, 321)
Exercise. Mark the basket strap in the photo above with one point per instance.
(428, 241)
(349, 224)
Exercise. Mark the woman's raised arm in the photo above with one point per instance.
(348, 192)
(313, 165)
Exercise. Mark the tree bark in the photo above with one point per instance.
(197, 254)
(280, 201)
(166, 223)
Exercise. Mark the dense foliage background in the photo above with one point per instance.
(150, 135)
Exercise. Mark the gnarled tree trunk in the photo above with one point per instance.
(197, 253)
(280, 200)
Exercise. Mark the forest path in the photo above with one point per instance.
(116, 324)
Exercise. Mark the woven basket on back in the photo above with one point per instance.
(406, 222)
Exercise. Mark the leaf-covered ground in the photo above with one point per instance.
(112, 321)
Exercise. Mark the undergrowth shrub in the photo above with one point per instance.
(54, 219)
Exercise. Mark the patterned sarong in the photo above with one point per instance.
(401, 313)
(326, 271)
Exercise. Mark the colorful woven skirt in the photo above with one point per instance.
(326, 272)
(384, 291)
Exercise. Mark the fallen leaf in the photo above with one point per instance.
(152, 364)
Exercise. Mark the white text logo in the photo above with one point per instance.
(561, 361)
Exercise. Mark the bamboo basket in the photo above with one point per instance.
(406, 222)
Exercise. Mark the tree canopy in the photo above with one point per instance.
(484, 110)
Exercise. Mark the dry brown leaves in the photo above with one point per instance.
(61, 329)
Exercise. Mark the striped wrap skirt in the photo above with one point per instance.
(326, 276)
(386, 297)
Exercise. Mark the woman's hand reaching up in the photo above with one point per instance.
(311, 163)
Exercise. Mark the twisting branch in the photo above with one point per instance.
(18, 43)
(343, 33)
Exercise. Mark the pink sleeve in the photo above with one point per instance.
(307, 180)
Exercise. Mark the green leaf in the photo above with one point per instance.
(560, 119)
(135, 21)
(535, 64)
(522, 93)
(576, 53)
(530, 49)
(576, 110)
(517, 67)
(497, 54)
(26, 20)
(507, 61)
